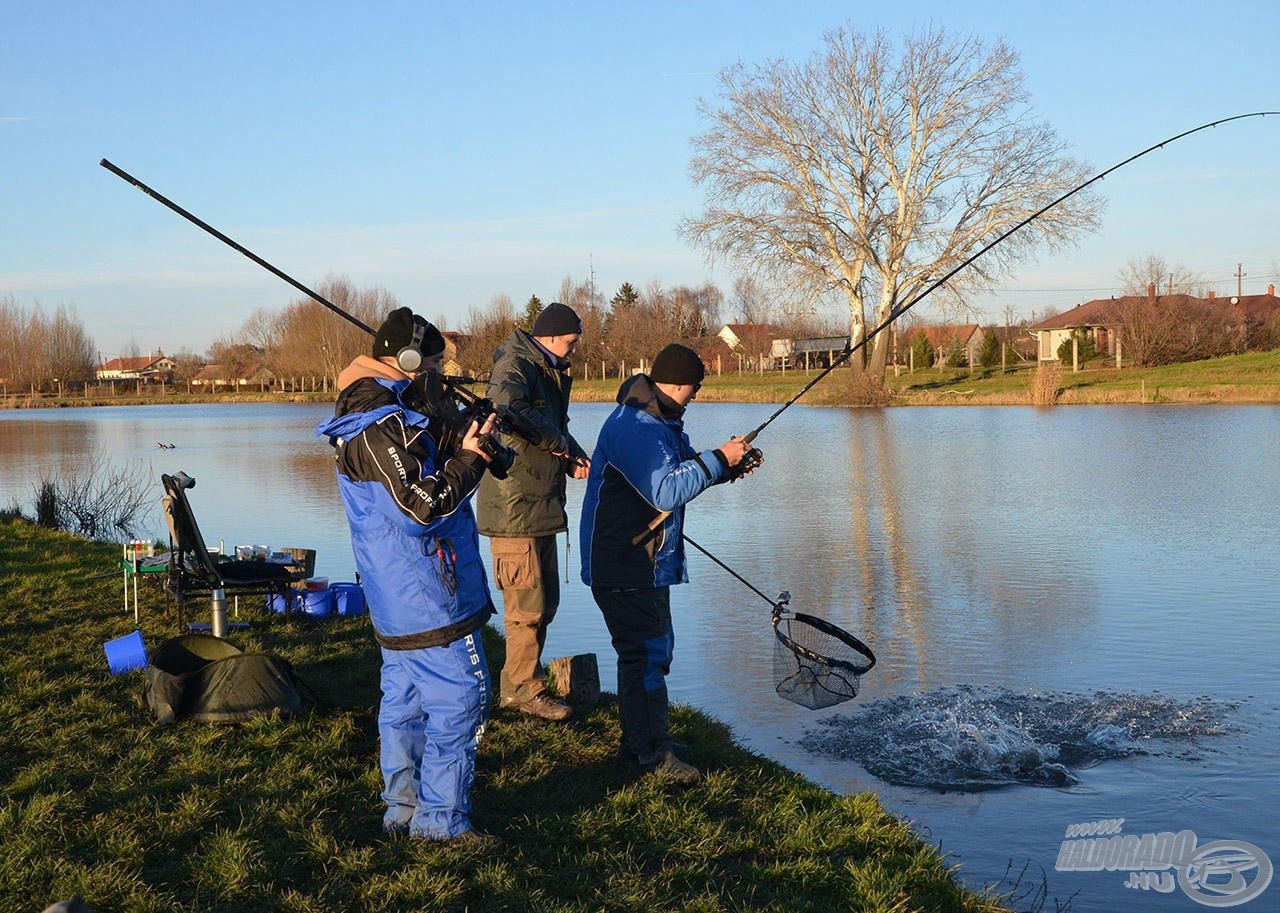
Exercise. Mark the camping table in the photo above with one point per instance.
(135, 569)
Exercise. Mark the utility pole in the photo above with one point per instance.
(1239, 276)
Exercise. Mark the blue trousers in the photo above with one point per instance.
(639, 623)
(435, 702)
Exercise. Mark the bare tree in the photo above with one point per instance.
(96, 498)
(1152, 272)
(751, 301)
(74, 355)
(309, 340)
(1158, 330)
(588, 303)
(187, 365)
(870, 162)
(486, 328)
(37, 350)
(235, 358)
(14, 324)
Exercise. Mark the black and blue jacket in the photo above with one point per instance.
(412, 529)
(644, 470)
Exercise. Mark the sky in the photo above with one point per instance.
(449, 153)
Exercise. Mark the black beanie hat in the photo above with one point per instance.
(396, 332)
(677, 364)
(556, 319)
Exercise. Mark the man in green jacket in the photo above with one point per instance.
(522, 513)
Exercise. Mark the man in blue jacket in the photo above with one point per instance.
(643, 472)
(417, 551)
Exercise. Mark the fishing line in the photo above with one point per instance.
(903, 308)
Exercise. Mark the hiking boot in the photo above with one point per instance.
(546, 707)
(507, 702)
(669, 767)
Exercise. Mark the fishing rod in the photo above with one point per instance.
(902, 309)
(473, 407)
(196, 220)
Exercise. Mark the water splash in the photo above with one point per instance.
(970, 738)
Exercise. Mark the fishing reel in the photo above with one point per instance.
(750, 461)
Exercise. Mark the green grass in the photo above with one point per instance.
(1253, 377)
(1250, 378)
(284, 814)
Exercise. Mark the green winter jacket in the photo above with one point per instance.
(530, 500)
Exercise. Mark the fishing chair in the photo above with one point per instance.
(193, 570)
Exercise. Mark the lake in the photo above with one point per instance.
(1074, 612)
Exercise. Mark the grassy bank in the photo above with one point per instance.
(284, 815)
(1250, 378)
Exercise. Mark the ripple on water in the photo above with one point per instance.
(971, 738)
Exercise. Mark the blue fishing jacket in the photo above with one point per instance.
(644, 470)
(412, 529)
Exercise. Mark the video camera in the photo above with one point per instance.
(452, 408)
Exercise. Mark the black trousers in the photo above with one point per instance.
(639, 622)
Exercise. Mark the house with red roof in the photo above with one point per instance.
(1256, 315)
(142, 367)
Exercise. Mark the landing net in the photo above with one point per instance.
(815, 663)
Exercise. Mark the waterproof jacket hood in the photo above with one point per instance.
(412, 529)
(644, 471)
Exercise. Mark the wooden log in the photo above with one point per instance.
(576, 679)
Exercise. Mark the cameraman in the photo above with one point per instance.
(417, 552)
(522, 513)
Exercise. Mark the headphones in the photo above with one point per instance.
(409, 359)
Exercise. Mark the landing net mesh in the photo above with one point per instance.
(815, 663)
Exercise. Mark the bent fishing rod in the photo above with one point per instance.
(902, 309)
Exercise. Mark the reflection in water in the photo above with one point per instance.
(892, 586)
(972, 739)
(43, 450)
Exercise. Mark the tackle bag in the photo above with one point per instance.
(210, 680)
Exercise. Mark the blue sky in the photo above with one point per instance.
(451, 152)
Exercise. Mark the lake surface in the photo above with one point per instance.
(1074, 610)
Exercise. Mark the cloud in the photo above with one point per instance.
(14, 120)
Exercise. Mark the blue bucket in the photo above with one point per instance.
(125, 654)
(282, 603)
(349, 598)
(316, 603)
